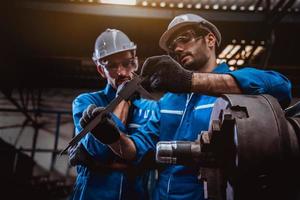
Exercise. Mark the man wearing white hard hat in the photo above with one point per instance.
(102, 174)
(192, 80)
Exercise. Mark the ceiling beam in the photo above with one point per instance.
(147, 12)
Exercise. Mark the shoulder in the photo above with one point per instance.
(89, 97)
(83, 100)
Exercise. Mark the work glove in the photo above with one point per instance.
(78, 155)
(106, 131)
(165, 74)
(133, 97)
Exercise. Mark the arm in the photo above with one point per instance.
(254, 81)
(124, 147)
(121, 111)
(214, 84)
(168, 75)
(91, 144)
(245, 81)
(142, 141)
(124, 144)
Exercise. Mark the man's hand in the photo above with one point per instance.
(106, 131)
(78, 155)
(165, 74)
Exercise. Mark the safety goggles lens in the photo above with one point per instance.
(127, 63)
(182, 39)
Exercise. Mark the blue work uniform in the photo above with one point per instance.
(183, 116)
(112, 185)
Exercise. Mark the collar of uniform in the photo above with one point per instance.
(110, 92)
(221, 68)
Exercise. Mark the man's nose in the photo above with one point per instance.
(178, 48)
(121, 70)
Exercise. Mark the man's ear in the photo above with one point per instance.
(136, 61)
(101, 71)
(211, 40)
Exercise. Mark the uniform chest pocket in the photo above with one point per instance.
(169, 122)
(201, 117)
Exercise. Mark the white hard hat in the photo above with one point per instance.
(186, 20)
(111, 41)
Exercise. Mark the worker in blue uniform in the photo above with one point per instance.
(193, 80)
(102, 174)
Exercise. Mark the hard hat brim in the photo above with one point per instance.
(115, 52)
(169, 33)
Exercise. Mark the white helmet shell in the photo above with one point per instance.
(111, 41)
(186, 20)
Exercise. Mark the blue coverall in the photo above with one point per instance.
(184, 116)
(114, 185)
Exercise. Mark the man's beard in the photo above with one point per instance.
(120, 79)
(195, 64)
(191, 66)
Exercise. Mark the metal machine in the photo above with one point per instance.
(251, 150)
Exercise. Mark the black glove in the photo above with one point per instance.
(78, 155)
(166, 74)
(106, 131)
(134, 96)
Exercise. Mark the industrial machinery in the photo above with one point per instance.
(251, 150)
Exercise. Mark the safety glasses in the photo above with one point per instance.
(113, 66)
(184, 38)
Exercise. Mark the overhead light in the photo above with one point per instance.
(258, 50)
(198, 6)
(233, 7)
(171, 5)
(180, 5)
(145, 3)
(240, 62)
(248, 51)
(238, 55)
(189, 5)
(248, 48)
(153, 4)
(260, 8)
(233, 51)
(163, 4)
(120, 2)
(232, 62)
(251, 8)
(216, 7)
(227, 49)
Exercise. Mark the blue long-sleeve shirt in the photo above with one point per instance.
(184, 116)
(112, 185)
